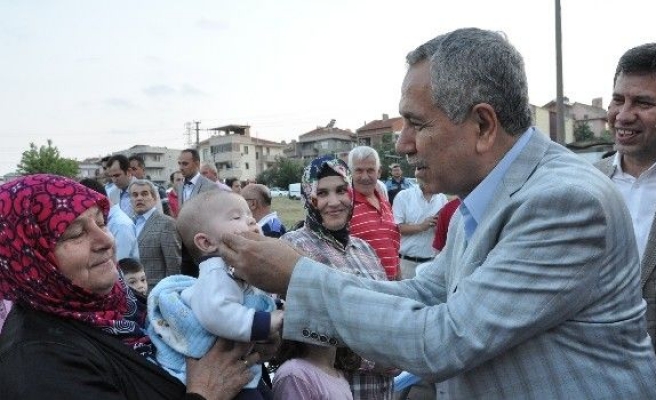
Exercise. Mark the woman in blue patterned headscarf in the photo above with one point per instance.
(320, 168)
(328, 195)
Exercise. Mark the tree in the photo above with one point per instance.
(582, 132)
(388, 155)
(46, 160)
(283, 172)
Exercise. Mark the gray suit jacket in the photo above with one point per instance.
(542, 303)
(202, 185)
(159, 248)
(647, 274)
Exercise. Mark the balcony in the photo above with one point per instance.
(231, 173)
(227, 157)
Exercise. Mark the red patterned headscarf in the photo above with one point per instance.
(35, 211)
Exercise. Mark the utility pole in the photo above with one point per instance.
(560, 107)
(197, 132)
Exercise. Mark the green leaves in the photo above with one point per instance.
(46, 159)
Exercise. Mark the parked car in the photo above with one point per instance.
(277, 192)
(295, 191)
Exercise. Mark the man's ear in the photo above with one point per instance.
(204, 244)
(484, 116)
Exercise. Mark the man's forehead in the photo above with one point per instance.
(363, 163)
(140, 188)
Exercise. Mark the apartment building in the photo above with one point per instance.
(237, 154)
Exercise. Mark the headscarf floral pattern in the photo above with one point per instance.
(35, 210)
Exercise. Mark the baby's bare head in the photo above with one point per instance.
(207, 216)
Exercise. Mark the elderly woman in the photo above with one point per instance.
(328, 195)
(75, 330)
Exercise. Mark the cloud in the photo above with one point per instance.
(121, 132)
(162, 90)
(190, 90)
(119, 103)
(159, 90)
(89, 59)
(210, 24)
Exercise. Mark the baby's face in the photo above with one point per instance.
(234, 216)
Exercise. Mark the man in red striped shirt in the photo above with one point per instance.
(373, 220)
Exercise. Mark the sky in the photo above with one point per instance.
(98, 77)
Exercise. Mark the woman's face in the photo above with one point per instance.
(333, 202)
(85, 253)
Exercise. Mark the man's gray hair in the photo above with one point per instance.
(211, 166)
(360, 153)
(153, 190)
(471, 66)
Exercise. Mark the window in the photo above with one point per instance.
(245, 149)
(246, 166)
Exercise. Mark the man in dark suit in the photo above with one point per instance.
(632, 120)
(158, 240)
(194, 183)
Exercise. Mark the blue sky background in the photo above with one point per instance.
(97, 77)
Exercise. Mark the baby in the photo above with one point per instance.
(134, 275)
(221, 304)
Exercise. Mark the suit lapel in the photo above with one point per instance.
(149, 222)
(649, 257)
(606, 166)
(468, 257)
(523, 166)
(196, 188)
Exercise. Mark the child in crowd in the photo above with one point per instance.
(221, 304)
(134, 275)
(310, 372)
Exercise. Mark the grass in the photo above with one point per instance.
(290, 211)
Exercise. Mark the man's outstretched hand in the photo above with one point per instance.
(266, 263)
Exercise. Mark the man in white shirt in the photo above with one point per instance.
(119, 171)
(415, 211)
(632, 120)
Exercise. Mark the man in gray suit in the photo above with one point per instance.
(537, 292)
(632, 119)
(194, 183)
(158, 240)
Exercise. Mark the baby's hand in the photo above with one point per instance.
(276, 321)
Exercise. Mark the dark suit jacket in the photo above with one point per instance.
(46, 357)
(647, 275)
(159, 248)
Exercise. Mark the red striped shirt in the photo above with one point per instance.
(377, 227)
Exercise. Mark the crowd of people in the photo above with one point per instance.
(533, 278)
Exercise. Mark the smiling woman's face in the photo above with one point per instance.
(85, 253)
